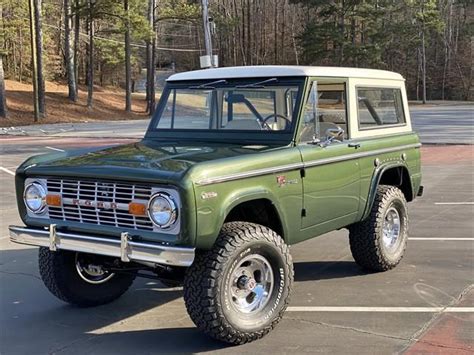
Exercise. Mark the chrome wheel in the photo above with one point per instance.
(391, 228)
(90, 272)
(251, 284)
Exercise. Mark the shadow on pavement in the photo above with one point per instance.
(325, 270)
(34, 321)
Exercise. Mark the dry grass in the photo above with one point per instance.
(109, 104)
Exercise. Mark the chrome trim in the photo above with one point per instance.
(248, 174)
(174, 210)
(359, 155)
(123, 248)
(294, 166)
(42, 190)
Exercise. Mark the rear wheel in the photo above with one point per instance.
(81, 279)
(237, 291)
(378, 243)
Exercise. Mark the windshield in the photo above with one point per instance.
(264, 106)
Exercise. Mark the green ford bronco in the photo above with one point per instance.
(236, 165)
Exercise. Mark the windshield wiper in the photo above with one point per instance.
(258, 84)
(208, 85)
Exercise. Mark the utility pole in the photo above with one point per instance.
(34, 59)
(207, 61)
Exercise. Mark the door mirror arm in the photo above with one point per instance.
(332, 134)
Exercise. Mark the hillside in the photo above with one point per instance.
(109, 104)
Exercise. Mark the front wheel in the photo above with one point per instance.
(237, 291)
(81, 279)
(378, 243)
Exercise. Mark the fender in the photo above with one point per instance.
(225, 205)
(375, 181)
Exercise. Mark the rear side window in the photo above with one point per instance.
(379, 107)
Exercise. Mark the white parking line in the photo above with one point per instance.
(383, 309)
(454, 203)
(5, 170)
(56, 149)
(439, 238)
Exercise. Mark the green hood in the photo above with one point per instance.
(146, 160)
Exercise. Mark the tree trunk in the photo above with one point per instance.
(39, 58)
(151, 44)
(423, 64)
(77, 28)
(3, 100)
(68, 53)
(128, 64)
(34, 62)
(342, 29)
(90, 64)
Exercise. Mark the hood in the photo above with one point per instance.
(145, 160)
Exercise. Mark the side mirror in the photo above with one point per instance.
(333, 134)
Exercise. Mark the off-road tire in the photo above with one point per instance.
(366, 237)
(205, 283)
(59, 274)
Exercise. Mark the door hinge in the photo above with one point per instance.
(302, 173)
(303, 212)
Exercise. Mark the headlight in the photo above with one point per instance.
(162, 210)
(35, 197)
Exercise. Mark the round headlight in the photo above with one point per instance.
(162, 210)
(35, 197)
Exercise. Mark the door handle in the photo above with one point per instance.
(354, 145)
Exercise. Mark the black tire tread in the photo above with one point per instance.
(200, 288)
(364, 237)
(51, 268)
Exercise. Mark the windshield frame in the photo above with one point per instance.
(219, 135)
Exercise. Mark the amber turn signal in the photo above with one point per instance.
(137, 209)
(53, 200)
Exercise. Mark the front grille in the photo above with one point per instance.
(98, 202)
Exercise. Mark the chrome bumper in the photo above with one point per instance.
(125, 249)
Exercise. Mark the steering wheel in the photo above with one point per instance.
(276, 115)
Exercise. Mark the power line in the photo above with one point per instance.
(132, 44)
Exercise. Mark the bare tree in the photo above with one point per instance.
(128, 64)
(34, 62)
(77, 28)
(69, 53)
(3, 100)
(39, 57)
(151, 59)
(90, 66)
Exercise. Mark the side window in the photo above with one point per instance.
(325, 109)
(378, 107)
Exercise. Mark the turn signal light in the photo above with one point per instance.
(53, 200)
(137, 209)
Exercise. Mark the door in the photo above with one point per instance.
(331, 181)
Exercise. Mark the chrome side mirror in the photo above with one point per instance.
(333, 134)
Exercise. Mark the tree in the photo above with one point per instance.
(151, 59)
(90, 63)
(3, 100)
(69, 53)
(128, 63)
(38, 38)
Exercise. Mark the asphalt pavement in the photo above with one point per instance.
(425, 305)
(436, 124)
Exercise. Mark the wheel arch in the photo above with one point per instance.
(260, 211)
(393, 174)
(232, 207)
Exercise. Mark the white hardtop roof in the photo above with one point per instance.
(284, 70)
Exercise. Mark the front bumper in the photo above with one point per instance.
(125, 249)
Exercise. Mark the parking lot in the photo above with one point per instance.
(425, 305)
